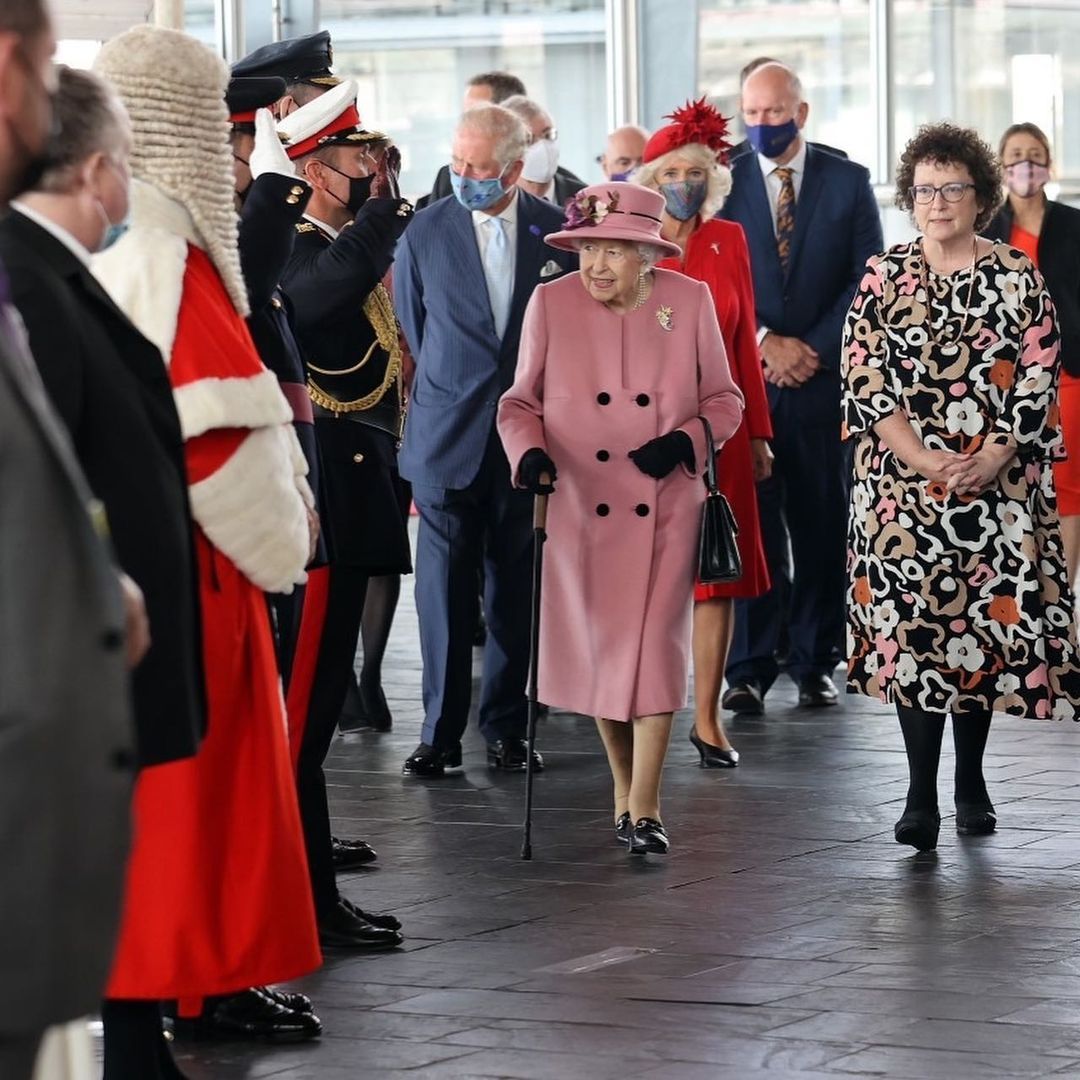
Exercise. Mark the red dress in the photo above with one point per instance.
(717, 255)
(218, 896)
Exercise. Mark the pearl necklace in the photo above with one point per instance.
(924, 270)
(642, 293)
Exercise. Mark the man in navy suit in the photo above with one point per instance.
(811, 222)
(464, 273)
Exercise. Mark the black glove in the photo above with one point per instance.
(659, 456)
(533, 463)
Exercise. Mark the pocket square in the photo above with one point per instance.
(550, 269)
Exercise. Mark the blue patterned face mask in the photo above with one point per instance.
(684, 198)
(477, 194)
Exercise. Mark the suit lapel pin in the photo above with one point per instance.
(664, 316)
(715, 248)
(550, 269)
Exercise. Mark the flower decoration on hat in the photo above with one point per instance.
(585, 210)
(696, 122)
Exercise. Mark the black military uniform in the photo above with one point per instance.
(304, 60)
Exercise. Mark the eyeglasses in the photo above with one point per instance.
(592, 251)
(925, 193)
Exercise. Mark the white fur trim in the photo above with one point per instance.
(231, 403)
(253, 510)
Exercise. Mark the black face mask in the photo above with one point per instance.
(359, 190)
(242, 195)
(34, 163)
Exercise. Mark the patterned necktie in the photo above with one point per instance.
(785, 217)
(498, 272)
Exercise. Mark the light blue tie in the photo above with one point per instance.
(499, 273)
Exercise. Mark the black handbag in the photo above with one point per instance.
(718, 553)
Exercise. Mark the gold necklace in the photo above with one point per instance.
(924, 271)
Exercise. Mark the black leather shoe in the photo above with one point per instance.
(344, 929)
(648, 836)
(251, 1014)
(509, 754)
(817, 691)
(374, 713)
(623, 828)
(351, 854)
(376, 918)
(918, 829)
(712, 757)
(300, 1003)
(744, 698)
(975, 820)
(427, 760)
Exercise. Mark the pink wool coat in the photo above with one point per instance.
(621, 555)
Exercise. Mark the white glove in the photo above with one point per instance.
(269, 155)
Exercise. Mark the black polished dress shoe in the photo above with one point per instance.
(509, 754)
(623, 828)
(918, 829)
(344, 929)
(975, 819)
(817, 691)
(251, 1014)
(300, 1003)
(713, 757)
(648, 836)
(428, 760)
(351, 854)
(744, 698)
(376, 918)
(374, 713)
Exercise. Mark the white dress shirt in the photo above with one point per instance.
(61, 234)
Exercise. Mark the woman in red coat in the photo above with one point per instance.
(684, 161)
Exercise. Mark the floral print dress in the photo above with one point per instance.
(957, 602)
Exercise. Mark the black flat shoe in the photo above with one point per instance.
(344, 929)
(373, 713)
(376, 918)
(509, 755)
(300, 1003)
(817, 692)
(649, 836)
(975, 820)
(250, 1015)
(744, 698)
(351, 854)
(623, 828)
(918, 829)
(428, 760)
(712, 757)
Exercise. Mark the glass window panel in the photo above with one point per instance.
(412, 60)
(827, 42)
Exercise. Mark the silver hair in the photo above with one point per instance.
(700, 156)
(506, 130)
(88, 119)
(649, 254)
(528, 109)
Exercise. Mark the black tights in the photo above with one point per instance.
(379, 607)
(922, 741)
(135, 1048)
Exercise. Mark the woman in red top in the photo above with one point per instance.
(685, 162)
(1048, 233)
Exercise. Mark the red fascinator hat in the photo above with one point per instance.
(696, 122)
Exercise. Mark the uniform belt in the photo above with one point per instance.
(297, 396)
(381, 418)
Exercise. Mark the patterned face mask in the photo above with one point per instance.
(1026, 178)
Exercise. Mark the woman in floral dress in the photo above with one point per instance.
(958, 599)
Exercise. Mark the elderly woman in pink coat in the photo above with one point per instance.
(616, 365)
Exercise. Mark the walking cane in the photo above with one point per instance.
(539, 536)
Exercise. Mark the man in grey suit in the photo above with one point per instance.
(464, 272)
(66, 738)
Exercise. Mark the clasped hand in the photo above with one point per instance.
(789, 362)
(965, 474)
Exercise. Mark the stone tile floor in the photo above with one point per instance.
(786, 935)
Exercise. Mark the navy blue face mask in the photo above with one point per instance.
(684, 199)
(771, 140)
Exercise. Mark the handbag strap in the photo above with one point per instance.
(710, 457)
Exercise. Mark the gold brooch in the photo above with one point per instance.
(663, 317)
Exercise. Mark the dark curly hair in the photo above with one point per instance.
(948, 144)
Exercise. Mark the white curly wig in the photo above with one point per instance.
(719, 176)
(174, 90)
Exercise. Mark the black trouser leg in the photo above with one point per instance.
(380, 604)
(135, 1048)
(18, 1054)
(922, 741)
(970, 732)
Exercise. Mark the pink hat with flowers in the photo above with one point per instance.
(613, 211)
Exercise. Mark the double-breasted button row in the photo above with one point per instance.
(642, 510)
(295, 194)
(358, 458)
(602, 455)
(604, 398)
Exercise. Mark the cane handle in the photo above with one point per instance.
(540, 505)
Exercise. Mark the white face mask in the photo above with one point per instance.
(541, 161)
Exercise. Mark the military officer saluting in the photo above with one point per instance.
(349, 336)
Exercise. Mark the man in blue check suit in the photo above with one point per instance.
(811, 222)
(464, 273)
